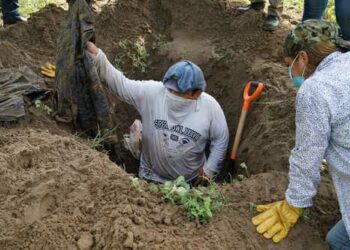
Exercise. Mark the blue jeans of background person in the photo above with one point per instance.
(10, 11)
(314, 9)
(338, 238)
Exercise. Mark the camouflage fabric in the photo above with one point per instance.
(275, 7)
(81, 96)
(14, 84)
(312, 32)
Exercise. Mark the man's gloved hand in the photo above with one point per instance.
(276, 219)
(202, 178)
(48, 70)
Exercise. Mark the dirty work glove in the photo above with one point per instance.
(48, 70)
(202, 178)
(276, 219)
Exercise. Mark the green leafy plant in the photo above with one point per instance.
(43, 107)
(200, 203)
(134, 53)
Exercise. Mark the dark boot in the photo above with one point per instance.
(253, 6)
(10, 12)
(17, 19)
(271, 23)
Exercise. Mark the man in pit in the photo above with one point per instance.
(178, 121)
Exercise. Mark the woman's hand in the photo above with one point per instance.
(92, 49)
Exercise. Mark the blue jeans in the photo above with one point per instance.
(10, 11)
(338, 238)
(314, 9)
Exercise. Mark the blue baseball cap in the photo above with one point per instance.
(184, 76)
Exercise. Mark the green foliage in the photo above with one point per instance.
(330, 12)
(159, 41)
(132, 53)
(43, 107)
(200, 203)
(97, 143)
(27, 7)
(299, 6)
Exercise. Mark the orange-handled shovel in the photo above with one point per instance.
(251, 92)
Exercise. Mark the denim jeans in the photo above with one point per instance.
(10, 10)
(314, 9)
(338, 238)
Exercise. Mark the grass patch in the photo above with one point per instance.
(298, 5)
(101, 137)
(27, 7)
(329, 13)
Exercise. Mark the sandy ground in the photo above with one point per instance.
(57, 193)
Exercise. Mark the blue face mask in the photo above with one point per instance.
(297, 80)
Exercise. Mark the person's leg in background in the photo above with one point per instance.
(273, 15)
(254, 5)
(314, 9)
(342, 12)
(10, 12)
(338, 238)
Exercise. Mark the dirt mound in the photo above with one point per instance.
(71, 196)
(57, 193)
(31, 43)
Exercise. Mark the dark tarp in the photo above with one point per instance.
(14, 84)
(81, 96)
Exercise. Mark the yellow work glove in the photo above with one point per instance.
(276, 219)
(48, 70)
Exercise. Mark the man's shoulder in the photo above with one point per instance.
(153, 87)
(208, 99)
(209, 102)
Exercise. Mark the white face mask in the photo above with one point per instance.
(178, 107)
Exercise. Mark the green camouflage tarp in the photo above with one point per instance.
(14, 84)
(81, 96)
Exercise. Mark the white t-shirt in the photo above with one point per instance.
(175, 131)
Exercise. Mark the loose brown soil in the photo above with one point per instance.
(57, 193)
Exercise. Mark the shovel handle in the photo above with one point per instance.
(238, 135)
(248, 99)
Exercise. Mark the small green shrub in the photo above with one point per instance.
(200, 203)
(43, 107)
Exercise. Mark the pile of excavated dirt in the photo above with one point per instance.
(57, 193)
